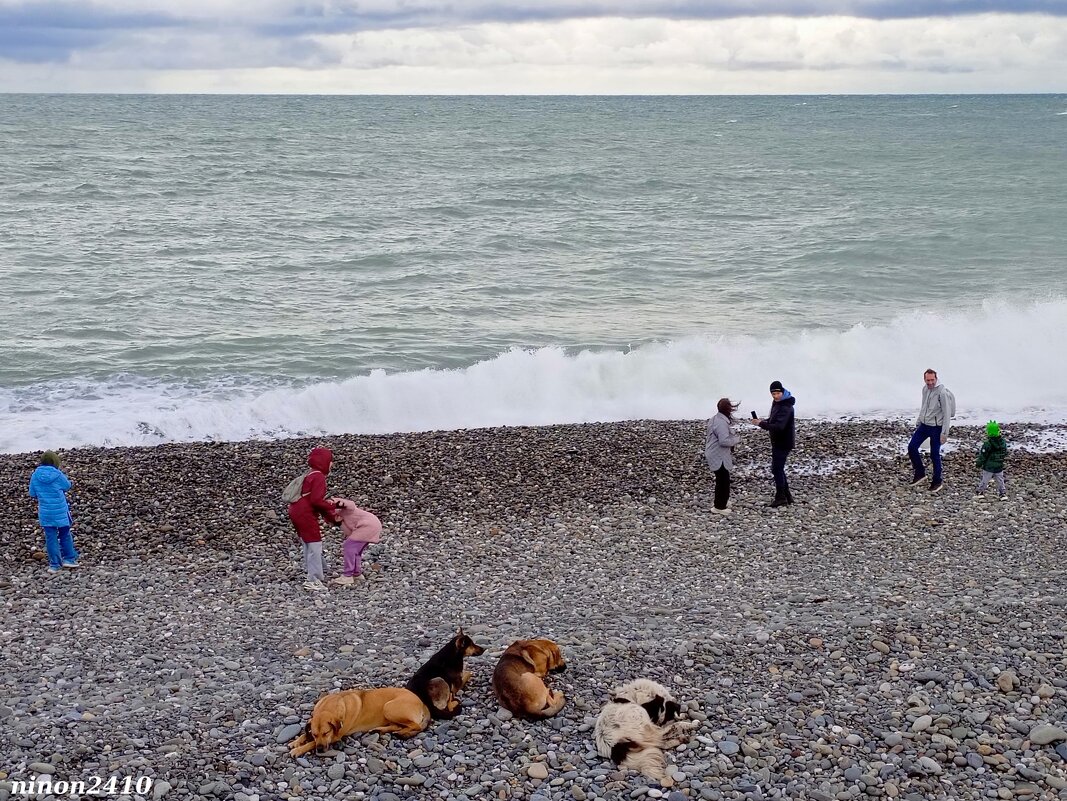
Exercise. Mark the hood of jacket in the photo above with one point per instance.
(320, 459)
(935, 389)
(787, 398)
(47, 474)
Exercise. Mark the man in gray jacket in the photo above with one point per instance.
(935, 419)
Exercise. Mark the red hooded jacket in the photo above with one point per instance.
(305, 512)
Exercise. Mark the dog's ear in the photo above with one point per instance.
(336, 724)
(440, 693)
(534, 656)
(654, 708)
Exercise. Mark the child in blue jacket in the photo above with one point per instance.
(49, 486)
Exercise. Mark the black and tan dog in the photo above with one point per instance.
(518, 679)
(385, 709)
(439, 681)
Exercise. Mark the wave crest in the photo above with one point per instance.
(1000, 361)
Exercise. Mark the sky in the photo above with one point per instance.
(534, 46)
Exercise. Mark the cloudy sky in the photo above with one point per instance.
(533, 46)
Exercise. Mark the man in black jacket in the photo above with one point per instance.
(779, 424)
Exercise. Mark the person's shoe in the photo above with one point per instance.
(917, 480)
(316, 586)
(343, 581)
(722, 512)
(979, 496)
(53, 570)
(779, 499)
(788, 496)
(1004, 496)
(936, 486)
(71, 565)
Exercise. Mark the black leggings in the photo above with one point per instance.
(722, 487)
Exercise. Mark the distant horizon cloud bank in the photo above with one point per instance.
(141, 48)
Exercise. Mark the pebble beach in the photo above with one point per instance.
(873, 640)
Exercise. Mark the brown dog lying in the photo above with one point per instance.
(386, 709)
(518, 678)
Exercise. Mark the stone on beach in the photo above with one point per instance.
(859, 643)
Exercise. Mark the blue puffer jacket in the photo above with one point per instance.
(48, 485)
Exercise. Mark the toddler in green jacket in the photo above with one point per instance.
(991, 460)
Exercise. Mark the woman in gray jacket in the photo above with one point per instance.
(719, 445)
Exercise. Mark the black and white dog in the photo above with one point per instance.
(637, 725)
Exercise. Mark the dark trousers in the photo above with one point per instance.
(778, 457)
(923, 433)
(722, 487)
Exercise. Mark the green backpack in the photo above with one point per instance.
(292, 493)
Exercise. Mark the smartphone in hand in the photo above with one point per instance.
(754, 416)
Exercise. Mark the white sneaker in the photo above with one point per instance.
(725, 511)
(343, 581)
(1004, 496)
(71, 565)
(316, 586)
(53, 570)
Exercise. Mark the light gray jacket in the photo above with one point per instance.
(719, 441)
(938, 407)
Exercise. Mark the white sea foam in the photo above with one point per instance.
(1004, 361)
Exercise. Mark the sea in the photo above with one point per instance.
(195, 268)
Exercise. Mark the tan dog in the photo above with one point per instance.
(518, 678)
(386, 709)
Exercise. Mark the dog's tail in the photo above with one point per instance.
(646, 759)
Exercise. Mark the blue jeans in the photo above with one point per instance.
(59, 545)
(923, 433)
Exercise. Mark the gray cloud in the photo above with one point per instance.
(473, 46)
(39, 31)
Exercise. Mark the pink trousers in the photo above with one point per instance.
(353, 550)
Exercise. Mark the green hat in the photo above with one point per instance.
(992, 428)
(50, 457)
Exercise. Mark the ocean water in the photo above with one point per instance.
(193, 268)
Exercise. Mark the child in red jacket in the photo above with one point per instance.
(305, 512)
(361, 528)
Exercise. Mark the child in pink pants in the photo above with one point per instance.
(360, 528)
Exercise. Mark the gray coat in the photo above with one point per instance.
(719, 441)
(938, 407)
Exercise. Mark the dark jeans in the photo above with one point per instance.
(923, 433)
(778, 457)
(722, 487)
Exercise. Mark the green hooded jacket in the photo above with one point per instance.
(991, 457)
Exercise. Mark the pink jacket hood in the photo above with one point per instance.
(358, 524)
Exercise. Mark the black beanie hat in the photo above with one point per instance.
(777, 385)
